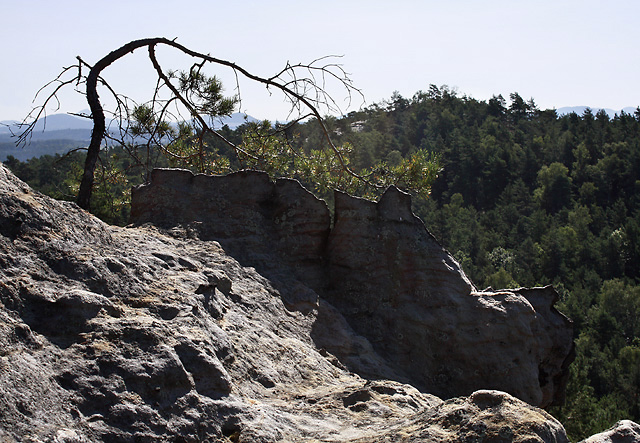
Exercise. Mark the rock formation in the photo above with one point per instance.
(625, 431)
(381, 268)
(253, 320)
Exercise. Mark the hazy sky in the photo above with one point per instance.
(560, 53)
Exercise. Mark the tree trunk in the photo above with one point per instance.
(99, 126)
(97, 115)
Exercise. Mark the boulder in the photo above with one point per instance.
(484, 416)
(624, 431)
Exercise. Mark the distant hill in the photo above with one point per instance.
(53, 122)
(59, 133)
(6, 124)
(55, 134)
(38, 148)
(580, 110)
(60, 122)
(234, 120)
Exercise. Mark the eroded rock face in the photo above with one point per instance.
(381, 268)
(254, 218)
(112, 334)
(399, 288)
(127, 334)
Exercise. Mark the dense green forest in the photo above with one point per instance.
(524, 198)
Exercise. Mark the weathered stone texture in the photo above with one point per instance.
(254, 218)
(129, 334)
(624, 431)
(381, 268)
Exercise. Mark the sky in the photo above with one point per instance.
(558, 52)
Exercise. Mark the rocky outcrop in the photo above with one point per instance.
(112, 334)
(130, 334)
(381, 268)
(256, 219)
(624, 431)
(397, 286)
(484, 416)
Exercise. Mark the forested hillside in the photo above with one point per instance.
(524, 198)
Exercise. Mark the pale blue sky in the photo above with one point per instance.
(560, 53)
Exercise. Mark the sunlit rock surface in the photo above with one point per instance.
(624, 431)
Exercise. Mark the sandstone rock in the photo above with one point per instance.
(398, 287)
(484, 416)
(254, 218)
(112, 334)
(381, 268)
(128, 334)
(625, 431)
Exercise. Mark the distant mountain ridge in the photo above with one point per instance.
(58, 133)
(60, 122)
(50, 123)
(235, 120)
(580, 110)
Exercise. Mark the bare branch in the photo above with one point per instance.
(41, 111)
(194, 112)
(304, 86)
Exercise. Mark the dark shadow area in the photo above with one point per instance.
(61, 321)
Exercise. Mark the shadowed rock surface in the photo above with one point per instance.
(160, 334)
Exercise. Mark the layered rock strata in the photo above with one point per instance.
(381, 268)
